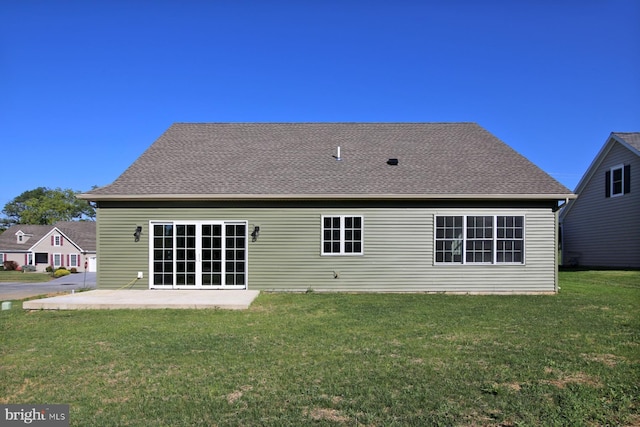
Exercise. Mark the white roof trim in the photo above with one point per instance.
(205, 197)
(595, 164)
(61, 233)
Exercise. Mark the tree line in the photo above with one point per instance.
(46, 206)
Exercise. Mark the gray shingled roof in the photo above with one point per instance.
(253, 160)
(9, 242)
(82, 233)
(631, 138)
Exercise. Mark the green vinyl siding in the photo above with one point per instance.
(398, 242)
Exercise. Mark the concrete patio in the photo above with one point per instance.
(105, 299)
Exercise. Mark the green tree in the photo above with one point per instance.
(47, 206)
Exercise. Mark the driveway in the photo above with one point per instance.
(14, 291)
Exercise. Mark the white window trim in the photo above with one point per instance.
(342, 236)
(59, 263)
(71, 263)
(197, 223)
(495, 240)
(621, 193)
(57, 240)
(1, 258)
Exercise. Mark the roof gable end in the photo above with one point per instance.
(629, 140)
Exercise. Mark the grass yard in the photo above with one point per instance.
(20, 277)
(572, 359)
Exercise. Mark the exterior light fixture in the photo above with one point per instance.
(255, 233)
(137, 233)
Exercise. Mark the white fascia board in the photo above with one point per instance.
(206, 197)
(64, 235)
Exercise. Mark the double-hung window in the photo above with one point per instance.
(618, 181)
(342, 235)
(74, 260)
(449, 239)
(479, 239)
(510, 239)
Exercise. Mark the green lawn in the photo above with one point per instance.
(19, 276)
(341, 359)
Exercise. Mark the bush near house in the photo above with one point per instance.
(61, 272)
(11, 266)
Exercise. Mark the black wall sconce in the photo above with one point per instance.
(255, 233)
(136, 235)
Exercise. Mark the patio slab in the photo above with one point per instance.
(104, 299)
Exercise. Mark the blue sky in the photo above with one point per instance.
(87, 86)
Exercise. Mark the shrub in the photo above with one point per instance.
(10, 265)
(61, 272)
(49, 269)
(73, 270)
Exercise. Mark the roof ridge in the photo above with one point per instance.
(327, 123)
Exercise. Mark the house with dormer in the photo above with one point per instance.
(69, 244)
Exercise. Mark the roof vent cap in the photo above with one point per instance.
(392, 162)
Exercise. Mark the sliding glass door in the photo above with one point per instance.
(198, 255)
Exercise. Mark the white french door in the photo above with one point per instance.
(198, 255)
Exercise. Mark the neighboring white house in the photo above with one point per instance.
(69, 244)
(602, 226)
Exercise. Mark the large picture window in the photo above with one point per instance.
(42, 258)
(342, 235)
(486, 239)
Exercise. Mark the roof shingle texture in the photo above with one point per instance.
(299, 159)
(83, 233)
(631, 138)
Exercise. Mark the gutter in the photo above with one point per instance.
(208, 197)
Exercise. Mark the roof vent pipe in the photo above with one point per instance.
(392, 162)
(338, 155)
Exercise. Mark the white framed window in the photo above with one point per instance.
(479, 239)
(57, 240)
(618, 181)
(342, 235)
(74, 260)
(57, 260)
(510, 239)
(1, 259)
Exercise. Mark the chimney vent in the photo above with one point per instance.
(392, 162)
